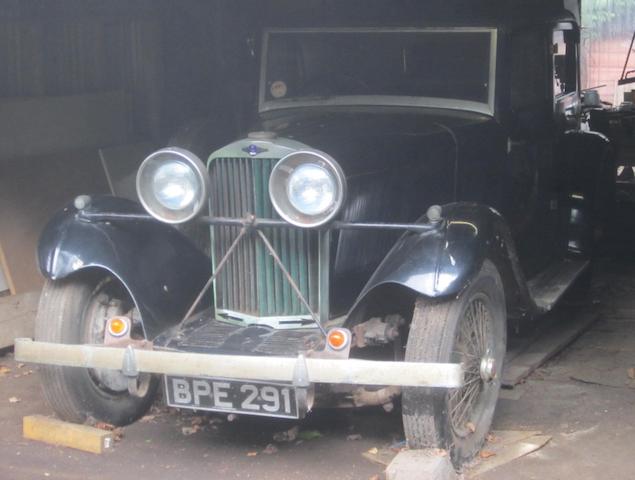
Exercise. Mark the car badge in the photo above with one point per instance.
(254, 150)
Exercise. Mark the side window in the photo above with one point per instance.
(565, 70)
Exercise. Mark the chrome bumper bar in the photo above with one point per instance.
(269, 369)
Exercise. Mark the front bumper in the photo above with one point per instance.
(298, 371)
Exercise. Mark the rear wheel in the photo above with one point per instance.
(471, 330)
(75, 311)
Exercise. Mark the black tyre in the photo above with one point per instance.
(75, 312)
(472, 330)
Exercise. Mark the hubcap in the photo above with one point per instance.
(488, 369)
(101, 307)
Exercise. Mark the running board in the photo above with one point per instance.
(548, 287)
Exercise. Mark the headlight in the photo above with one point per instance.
(307, 188)
(173, 185)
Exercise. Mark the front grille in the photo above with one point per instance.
(251, 283)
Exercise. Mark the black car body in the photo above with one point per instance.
(462, 164)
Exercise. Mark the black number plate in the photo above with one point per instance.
(231, 396)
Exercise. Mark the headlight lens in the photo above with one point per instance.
(311, 189)
(307, 188)
(173, 185)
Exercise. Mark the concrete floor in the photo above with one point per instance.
(584, 398)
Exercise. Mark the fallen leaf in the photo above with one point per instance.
(373, 451)
(270, 449)
(20, 365)
(252, 454)
(14, 400)
(4, 370)
(631, 373)
(198, 421)
(439, 452)
(353, 437)
(104, 426)
(491, 438)
(471, 427)
(189, 430)
(309, 435)
(486, 454)
(287, 436)
(147, 418)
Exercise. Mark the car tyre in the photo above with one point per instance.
(469, 329)
(66, 314)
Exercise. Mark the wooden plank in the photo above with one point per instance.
(4, 267)
(33, 126)
(17, 316)
(120, 166)
(31, 191)
(563, 329)
(64, 434)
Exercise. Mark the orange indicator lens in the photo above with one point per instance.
(117, 326)
(337, 338)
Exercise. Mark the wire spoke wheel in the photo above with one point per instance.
(470, 330)
(473, 348)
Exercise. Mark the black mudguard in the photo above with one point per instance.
(160, 267)
(441, 263)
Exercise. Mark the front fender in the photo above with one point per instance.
(159, 266)
(441, 263)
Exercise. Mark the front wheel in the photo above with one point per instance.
(470, 329)
(75, 311)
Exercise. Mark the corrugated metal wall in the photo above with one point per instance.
(82, 47)
(608, 28)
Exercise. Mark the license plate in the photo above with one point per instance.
(231, 396)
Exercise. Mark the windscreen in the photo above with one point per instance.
(440, 64)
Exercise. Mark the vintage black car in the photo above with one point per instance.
(407, 190)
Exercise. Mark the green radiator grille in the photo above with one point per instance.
(251, 283)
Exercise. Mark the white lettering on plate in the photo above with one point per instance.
(181, 391)
(220, 394)
(201, 389)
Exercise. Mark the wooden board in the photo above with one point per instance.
(31, 190)
(120, 166)
(5, 274)
(48, 155)
(64, 434)
(42, 125)
(17, 316)
(558, 331)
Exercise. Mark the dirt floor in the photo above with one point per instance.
(584, 399)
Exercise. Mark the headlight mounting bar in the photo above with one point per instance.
(253, 224)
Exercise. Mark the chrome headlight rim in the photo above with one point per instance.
(278, 183)
(149, 200)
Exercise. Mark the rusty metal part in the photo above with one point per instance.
(377, 331)
(363, 397)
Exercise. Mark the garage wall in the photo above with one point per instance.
(77, 76)
(49, 53)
